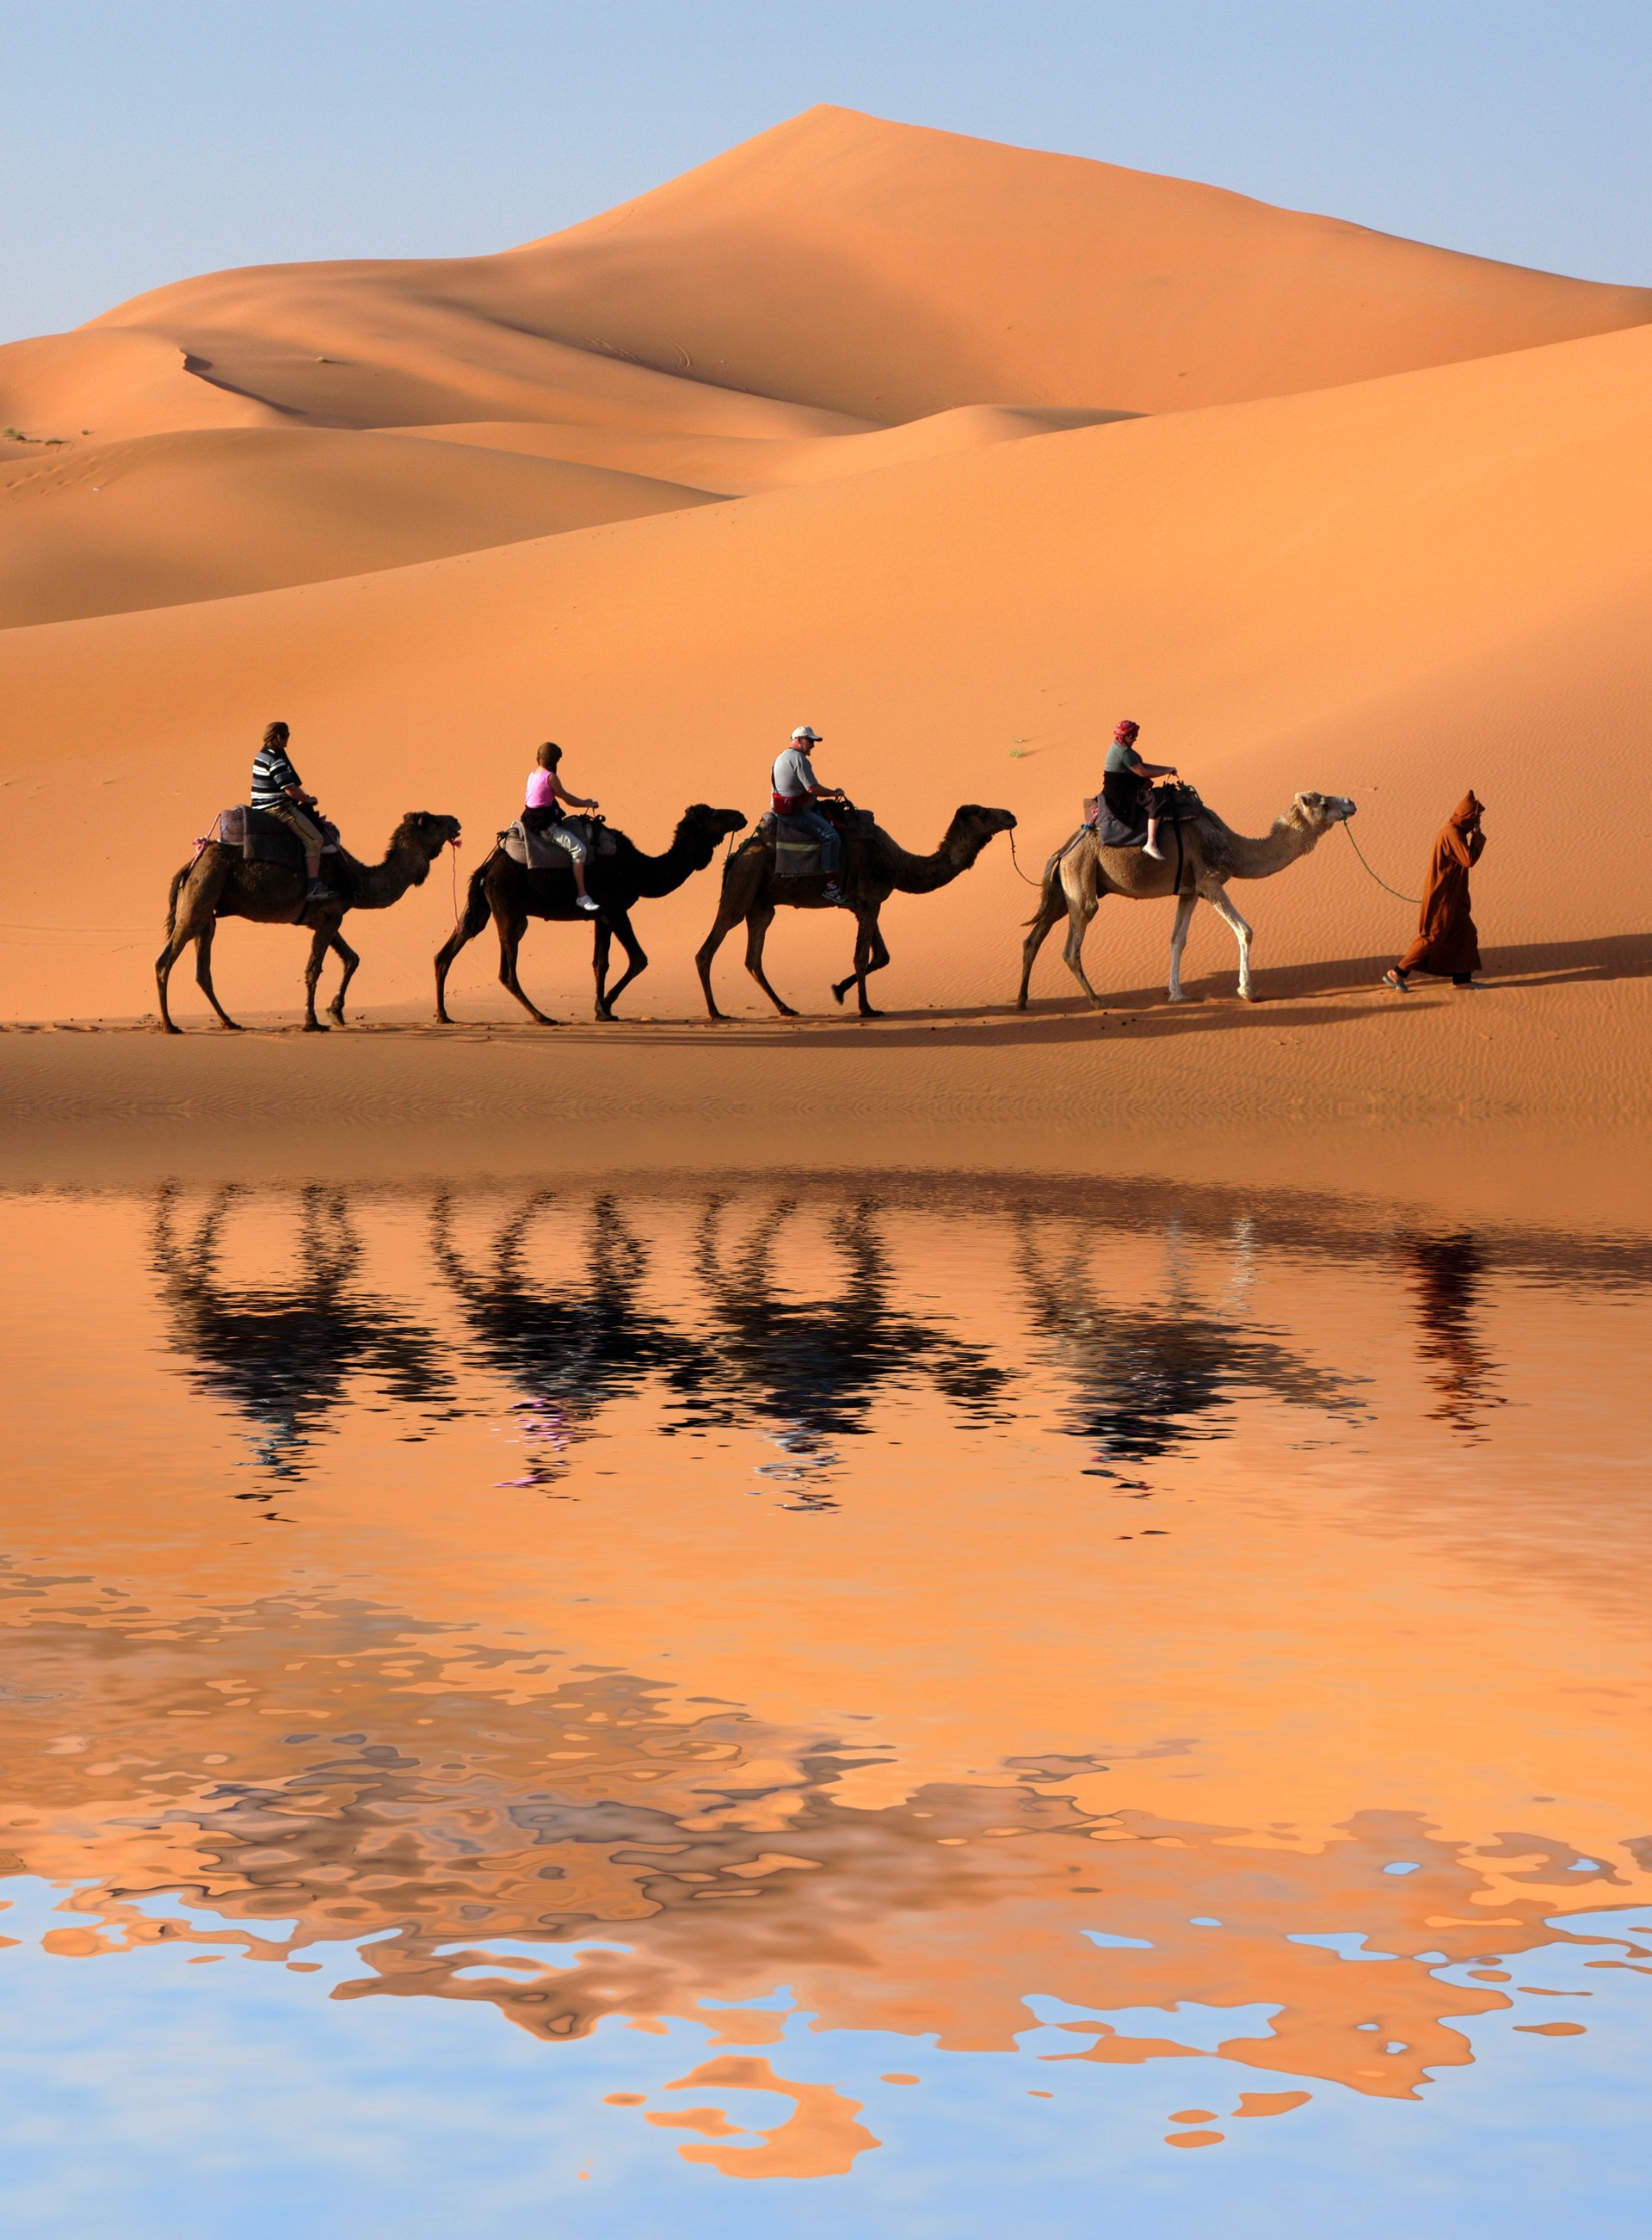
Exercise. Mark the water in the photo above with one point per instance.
(713, 1706)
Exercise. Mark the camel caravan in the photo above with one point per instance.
(277, 860)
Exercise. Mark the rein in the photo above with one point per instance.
(1016, 860)
(453, 867)
(1383, 884)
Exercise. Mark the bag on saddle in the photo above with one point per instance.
(264, 839)
(541, 852)
(795, 853)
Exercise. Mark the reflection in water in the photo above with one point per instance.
(813, 1369)
(569, 1345)
(1147, 1377)
(284, 1352)
(1446, 1276)
(953, 1760)
(722, 1853)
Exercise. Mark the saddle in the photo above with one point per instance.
(796, 854)
(539, 851)
(262, 838)
(1112, 832)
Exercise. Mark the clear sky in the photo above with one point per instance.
(148, 139)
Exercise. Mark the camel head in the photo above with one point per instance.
(420, 836)
(714, 824)
(1316, 813)
(973, 825)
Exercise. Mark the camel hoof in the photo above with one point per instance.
(314, 1026)
(1176, 997)
(1245, 996)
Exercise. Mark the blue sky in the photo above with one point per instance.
(148, 139)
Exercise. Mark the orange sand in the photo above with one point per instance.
(1413, 575)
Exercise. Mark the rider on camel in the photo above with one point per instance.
(1127, 785)
(279, 791)
(795, 788)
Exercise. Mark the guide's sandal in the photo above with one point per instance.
(1393, 980)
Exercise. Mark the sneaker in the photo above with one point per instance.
(319, 892)
(833, 894)
(586, 903)
(1154, 849)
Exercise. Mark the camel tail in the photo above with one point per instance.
(476, 912)
(173, 892)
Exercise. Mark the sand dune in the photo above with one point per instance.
(743, 465)
(1390, 589)
(840, 263)
(103, 528)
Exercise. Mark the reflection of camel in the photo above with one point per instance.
(818, 1367)
(874, 869)
(1147, 1379)
(571, 1343)
(1078, 875)
(514, 894)
(284, 1353)
(1446, 1277)
(220, 885)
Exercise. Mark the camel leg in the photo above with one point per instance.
(347, 957)
(636, 960)
(191, 910)
(1081, 909)
(204, 972)
(512, 925)
(705, 956)
(471, 920)
(1051, 905)
(602, 950)
(759, 918)
(1185, 906)
(320, 942)
(1217, 898)
(871, 955)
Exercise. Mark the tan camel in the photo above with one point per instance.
(219, 883)
(874, 867)
(1080, 874)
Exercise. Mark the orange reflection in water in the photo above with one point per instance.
(910, 1729)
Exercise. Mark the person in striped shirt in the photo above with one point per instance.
(279, 791)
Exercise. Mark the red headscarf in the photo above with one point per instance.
(1126, 732)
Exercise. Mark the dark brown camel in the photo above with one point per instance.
(219, 883)
(510, 894)
(874, 869)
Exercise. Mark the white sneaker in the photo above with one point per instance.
(1154, 849)
(586, 903)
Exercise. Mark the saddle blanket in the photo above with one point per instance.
(1112, 831)
(539, 851)
(262, 838)
(797, 855)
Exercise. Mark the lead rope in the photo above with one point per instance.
(1383, 884)
(453, 867)
(1016, 860)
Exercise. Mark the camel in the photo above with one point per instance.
(512, 894)
(874, 869)
(219, 883)
(1077, 876)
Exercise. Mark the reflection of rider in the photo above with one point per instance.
(1126, 788)
(795, 787)
(279, 791)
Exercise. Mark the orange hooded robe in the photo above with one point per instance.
(1447, 941)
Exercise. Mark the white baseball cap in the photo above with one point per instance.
(807, 732)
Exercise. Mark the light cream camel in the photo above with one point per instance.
(1080, 874)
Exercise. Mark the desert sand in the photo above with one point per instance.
(957, 451)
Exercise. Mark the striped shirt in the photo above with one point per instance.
(272, 773)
